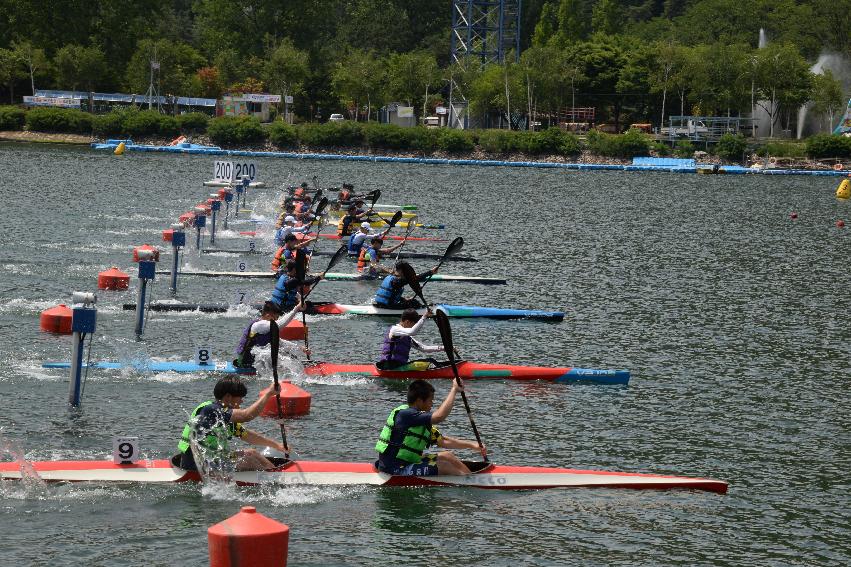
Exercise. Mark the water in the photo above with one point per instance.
(731, 317)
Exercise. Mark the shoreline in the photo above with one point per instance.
(583, 161)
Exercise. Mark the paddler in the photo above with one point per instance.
(359, 239)
(288, 251)
(287, 288)
(214, 423)
(410, 429)
(289, 227)
(348, 221)
(370, 256)
(389, 294)
(399, 339)
(258, 333)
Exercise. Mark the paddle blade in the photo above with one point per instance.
(411, 279)
(446, 336)
(300, 264)
(338, 255)
(396, 217)
(453, 248)
(374, 198)
(320, 207)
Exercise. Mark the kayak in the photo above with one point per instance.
(337, 276)
(467, 370)
(330, 473)
(477, 371)
(338, 237)
(402, 255)
(455, 311)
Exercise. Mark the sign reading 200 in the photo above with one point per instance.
(234, 171)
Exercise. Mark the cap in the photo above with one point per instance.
(289, 218)
(365, 224)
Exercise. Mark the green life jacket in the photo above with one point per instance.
(216, 438)
(415, 441)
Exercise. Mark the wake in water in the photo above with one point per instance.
(30, 485)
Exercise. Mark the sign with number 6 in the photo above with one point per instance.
(240, 266)
(125, 450)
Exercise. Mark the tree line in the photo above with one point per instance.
(632, 60)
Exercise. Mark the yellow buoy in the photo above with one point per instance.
(119, 151)
(844, 189)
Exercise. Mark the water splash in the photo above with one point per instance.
(839, 67)
(763, 41)
(31, 484)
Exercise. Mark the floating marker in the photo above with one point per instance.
(56, 320)
(294, 401)
(248, 538)
(113, 279)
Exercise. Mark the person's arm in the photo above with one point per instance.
(285, 319)
(427, 274)
(385, 251)
(240, 415)
(306, 242)
(254, 438)
(400, 331)
(443, 411)
(452, 443)
(425, 348)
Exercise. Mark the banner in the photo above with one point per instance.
(50, 101)
(261, 98)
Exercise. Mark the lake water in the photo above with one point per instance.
(731, 316)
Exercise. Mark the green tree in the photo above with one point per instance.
(33, 59)
(721, 77)
(574, 21)
(499, 88)
(286, 69)
(782, 78)
(546, 27)
(10, 71)
(78, 66)
(607, 17)
(827, 95)
(357, 78)
(410, 76)
(178, 63)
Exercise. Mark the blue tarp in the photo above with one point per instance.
(663, 162)
(128, 98)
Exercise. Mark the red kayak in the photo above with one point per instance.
(485, 475)
(476, 371)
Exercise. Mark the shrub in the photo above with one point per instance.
(731, 146)
(346, 133)
(828, 145)
(628, 145)
(64, 120)
(11, 118)
(193, 122)
(782, 149)
(138, 123)
(283, 135)
(684, 149)
(452, 140)
(423, 139)
(497, 141)
(109, 124)
(552, 141)
(235, 130)
(388, 136)
(168, 126)
(661, 148)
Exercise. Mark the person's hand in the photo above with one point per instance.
(306, 351)
(434, 270)
(429, 313)
(484, 451)
(274, 389)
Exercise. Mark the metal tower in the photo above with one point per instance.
(485, 29)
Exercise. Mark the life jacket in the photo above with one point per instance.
(278, 260)
(344, 196)
(416, 439)
(283, 296)
(344, 226)
(215, 439)
(248, 340)
(299, 192)
(396, 349)
(387, 294)
(354, 249)
(364, 258)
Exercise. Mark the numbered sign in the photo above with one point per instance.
(223, 171)
(125, 450)
(240, 266)
(240, 297)
(252, 246)
(245, 169)
(203, 355)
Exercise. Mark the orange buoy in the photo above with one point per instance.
(294, 401)
(186, 218)
(248, 538)
(168, 234)
(56, 320)
(837, 167)
(294, 331)
(840, 223)
(113, 278)
(153, 249)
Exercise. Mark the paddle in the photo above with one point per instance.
(412, 225)
(276, 342)
(446, 336)
(338, 255)
(300, 266)
(451, 250)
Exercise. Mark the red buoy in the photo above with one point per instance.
(168, 234)
(186, 218)
(153, 249)
(294, 401)
(840, 223)
(56, 320)
(248, 539)
(113, 278)
(793, 216)
(223, 193)
(294, 331)
(206, 207)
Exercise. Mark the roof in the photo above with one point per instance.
(128, 98)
